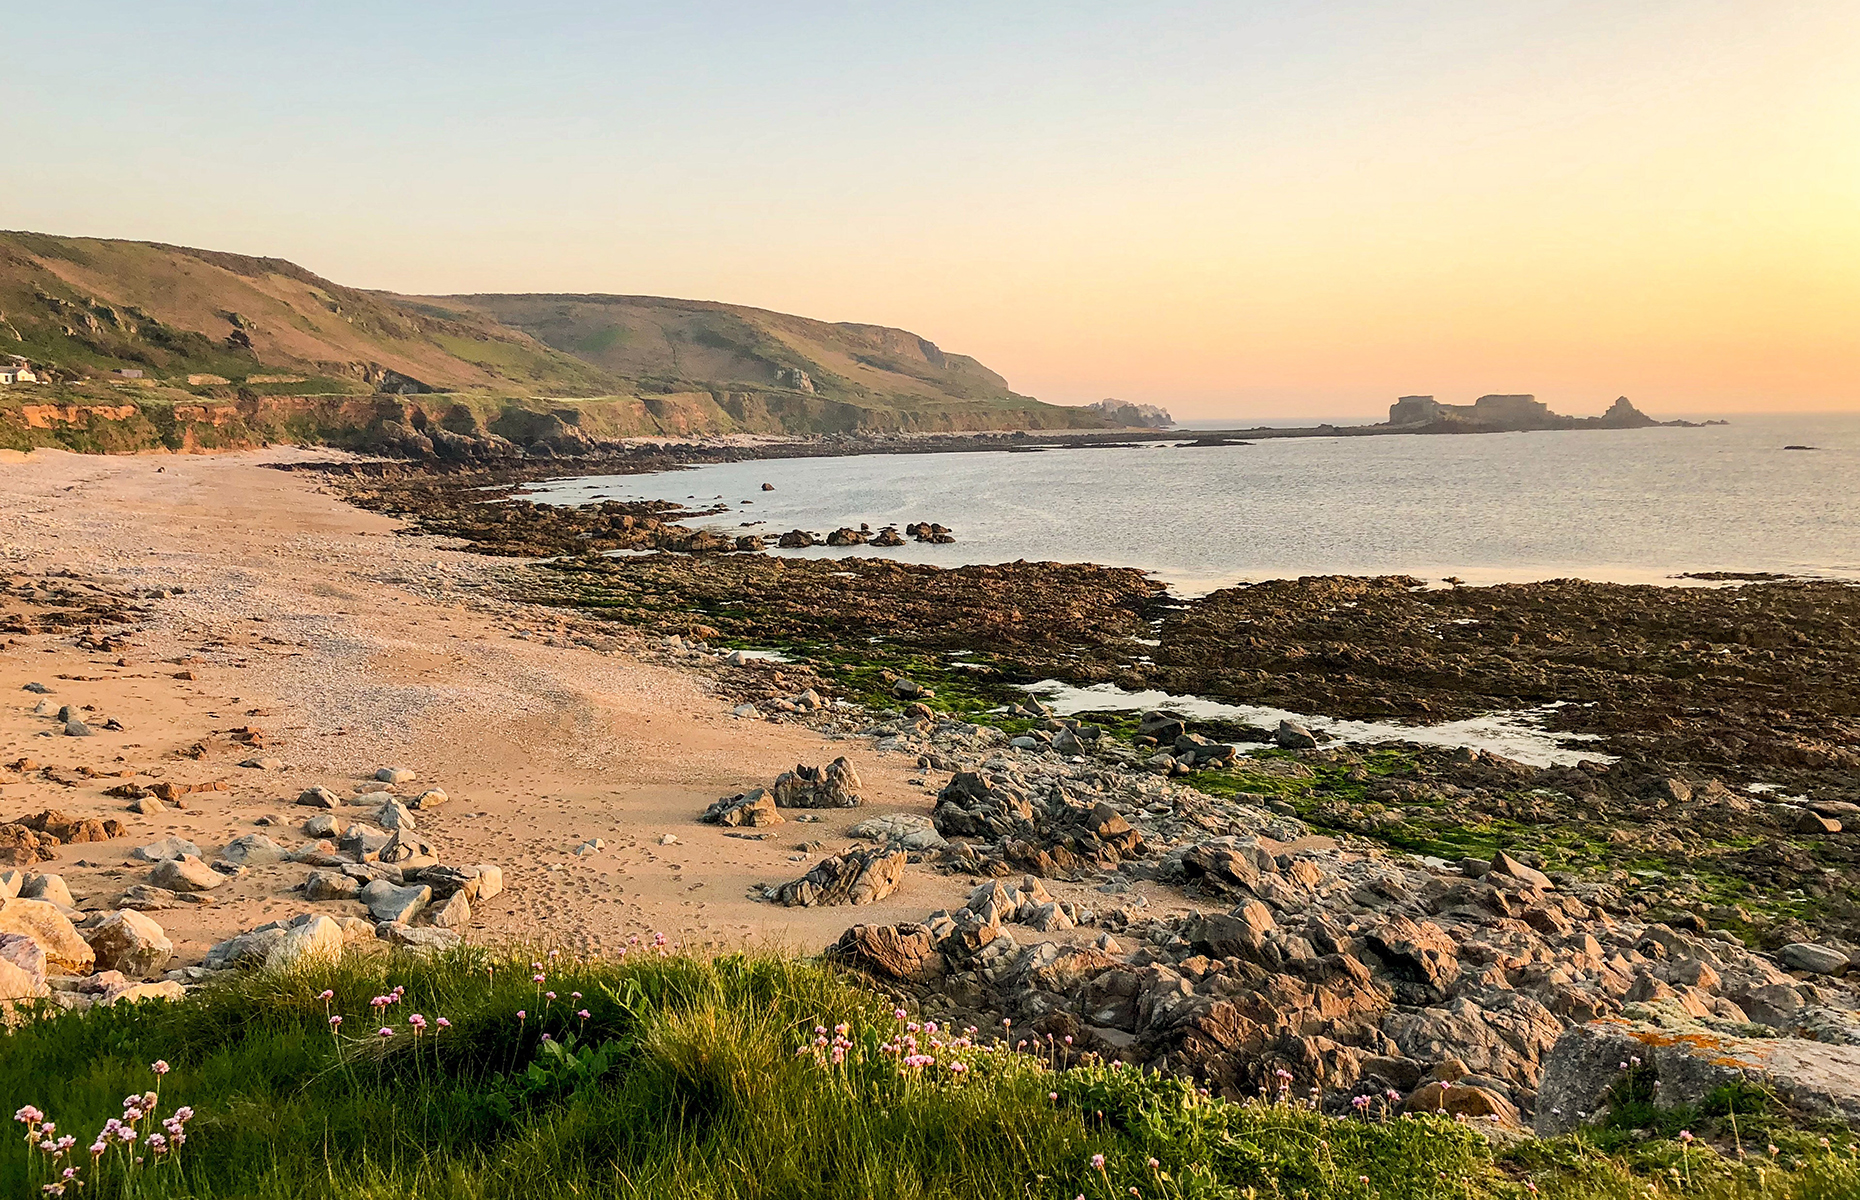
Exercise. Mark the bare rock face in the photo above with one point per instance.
(129, 942)
(1813, 1079)
(835, 785)
(755, 808)
(857, 877)
(312, 939)
(1422, 957)
(22, 967)
(906, 952)
(55, 935)
(22, 847)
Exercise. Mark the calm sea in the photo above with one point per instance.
(1632, 505)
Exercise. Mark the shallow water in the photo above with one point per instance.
(1516, 735)
(1626, 505)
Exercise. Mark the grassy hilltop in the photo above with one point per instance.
(234, 349)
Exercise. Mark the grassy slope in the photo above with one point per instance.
(640, 365)
(680, 346)
(88, 304)
(693, 1078)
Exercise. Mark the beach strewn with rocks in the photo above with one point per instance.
(256, 724)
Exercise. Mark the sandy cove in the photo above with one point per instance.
(349, 647)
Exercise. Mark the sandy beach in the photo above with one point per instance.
(348, 647)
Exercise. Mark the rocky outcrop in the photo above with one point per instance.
(856, 877)
(1052, 835)
(754, 808)
(835, 785)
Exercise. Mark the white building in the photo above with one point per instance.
(18, 370)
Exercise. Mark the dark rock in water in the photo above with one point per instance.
(749, 541)
(835, 785)
(768, 487)
(856, 877)
(888, 536)
(795, 539)
(846, 537)
(1164, 727)
(925, 531)
(1293, 736)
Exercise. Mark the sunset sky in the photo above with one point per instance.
(1229, 209)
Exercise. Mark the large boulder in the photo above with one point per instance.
(129, 942)
(165, 849)
(311, 939)
(835, 785)
(856, 877)
(1690, 1061)
(49, 888)
(23, 847)
(56, 936)
(390, 904)
(22, 967)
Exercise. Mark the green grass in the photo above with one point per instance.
(707, 1078)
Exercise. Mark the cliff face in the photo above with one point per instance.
(1502, 414)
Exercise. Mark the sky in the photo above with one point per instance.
(1233, 209)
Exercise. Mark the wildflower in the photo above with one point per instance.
(1774, 1150)
(583, 1014)
(959, 1067)
(1359, 1103)
(548, 995)
(1154, 1163)
(157, 1144)
(536, 979)
(159, 1066)
(418, 1022)
(1097, 1162)
(898, 1014)
(1363, 1179)
(547, 1038)
(29, 1115)
(443, 1023)
(1530, 1187)
(326, 995)
(98, 1147)
(184, 1113)
(574, 995)
(386, 1031)
(1052, 1095)
(521, 1015)
(334, 1022)
(1685, 1135)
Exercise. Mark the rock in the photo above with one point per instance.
(249, 949)
(27, 957)
(1813, 822)
(591, 846)
(909, 830)
(144, 898)
(430, 798)
(312, 939)
(18, 984)
(167, 848)
(393, 815)
(330, 885)
(136, 993)
(77, 728)
(835, 785)
(318, 797)
(902, 952)
(1504, 864)
(129, 942)
(455, 913)
(420, 941)
(49, 888)
(370, 799)
(322, 826)
(1459, 1100)
(364, 843)
(856, 877)
(1690, 1061)
(755, 808)
(22, 847)
(1239, 934)
(55, 935)
(147, 806)
(185, 874)
(253, 850)
(1293, 736)
(1807, 956)
(394, 775)
(1418, 954)
(389, 904)
(10, 883)
(908, 689)
(490, 880)
(668, 839)
(66, 828)
(42, 690)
